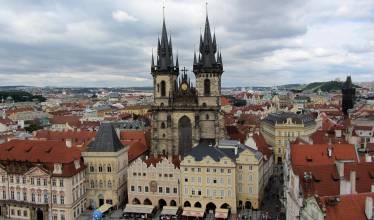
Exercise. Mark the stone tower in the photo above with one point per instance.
(182, 115)
(349, 94)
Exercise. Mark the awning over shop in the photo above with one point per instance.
(144, 209)
(169, 210)
(105, 207)
(193, 212)
(221, 213)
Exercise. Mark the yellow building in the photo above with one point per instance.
(208, 179)
(228, 175)
(280, 128)
(106, 160)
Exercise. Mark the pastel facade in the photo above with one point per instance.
(154, 181)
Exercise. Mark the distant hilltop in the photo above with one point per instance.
(315, 86)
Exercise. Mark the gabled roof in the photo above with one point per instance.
(106, 140)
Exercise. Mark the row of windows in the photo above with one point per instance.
(209, 180)
(101, 184)
(78, 192)
(240, 189)
(161, 189)
(240, 177)
(19, 212)
(208, 170)
(33, 181)
(101, 168)
(35, 197)
(209, 192)
(78, 177)
(160, 174)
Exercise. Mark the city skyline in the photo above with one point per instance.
(88, 44)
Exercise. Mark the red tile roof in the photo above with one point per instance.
(130, 136)
(324, 137)
(225, 101)
(45, 153)
(316, 154)
(350, 207)
(72, 120)
(77, 137)
(261, 144)
(136, 149)
(326, 181)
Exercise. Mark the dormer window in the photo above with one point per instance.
(77, 164)
(57, 168)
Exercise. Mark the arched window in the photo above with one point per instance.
(163, 125)
(207, 117)
(100, 168)
(92, 184)
(158, 87)
(101, 184)
(109, 168)
(163, 88)
(206, 87)
(109, 184)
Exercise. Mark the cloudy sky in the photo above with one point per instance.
(109, 42)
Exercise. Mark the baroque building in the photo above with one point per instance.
(41, 180)
(184, 114)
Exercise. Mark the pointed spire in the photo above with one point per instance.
(177, 62)
(164, 47)
(194, 58)
(153, 61)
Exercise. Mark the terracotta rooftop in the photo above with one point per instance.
(77, 137)
(38, 151)
(136, 149)
(262, 145)
(349, 207)
(317, 154)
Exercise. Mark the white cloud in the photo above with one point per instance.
(122, 16)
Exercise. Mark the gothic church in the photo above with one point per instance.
(184, 115)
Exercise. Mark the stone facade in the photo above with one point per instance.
(182, 114)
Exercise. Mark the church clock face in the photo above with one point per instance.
(184, 87)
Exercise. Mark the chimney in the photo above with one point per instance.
(352, 179)
(329, 152)
(372, 187)
(369, 207)
(68, 142)
(340, 168)
(368, 158)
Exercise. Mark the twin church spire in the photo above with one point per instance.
(165, 61)
(209, 57)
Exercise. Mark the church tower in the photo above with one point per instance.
(349, 94)
(208, 69)
(182, 115)
(164, 72)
